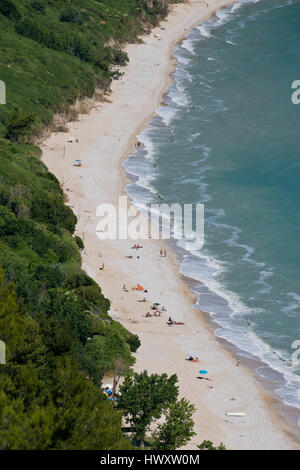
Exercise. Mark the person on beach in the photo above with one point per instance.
(165, 253)
(237, 363)
(161, 252)
(193, 359)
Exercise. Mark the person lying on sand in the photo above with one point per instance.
(124, 288)
(171, 322)
(129, 257)
(193, 359)
(148, 314)
(157, 314)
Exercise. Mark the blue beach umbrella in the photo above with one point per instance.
(203, 371)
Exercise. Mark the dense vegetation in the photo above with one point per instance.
(53, 51)
(53, 317)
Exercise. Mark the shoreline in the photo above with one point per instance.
(106, 132)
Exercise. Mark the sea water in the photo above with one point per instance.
(226, 136)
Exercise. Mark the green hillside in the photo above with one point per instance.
(53, 317)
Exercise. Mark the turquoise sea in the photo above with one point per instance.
(227, 136)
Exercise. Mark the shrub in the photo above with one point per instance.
(69, 15)
(79, 242)
(39, 6)
(9, 9)
(18, 124)
(134, 342)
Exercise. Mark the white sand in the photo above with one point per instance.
(106, 136)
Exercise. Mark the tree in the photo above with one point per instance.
(11, 322)
(120, 368)
(144, 398)
(177, 430)
(208, 445)
(20, 430)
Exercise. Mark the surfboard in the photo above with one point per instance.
(236, 413)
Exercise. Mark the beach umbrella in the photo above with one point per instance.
(156, 303)
(203, 371)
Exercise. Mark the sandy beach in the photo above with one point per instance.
(106, 136)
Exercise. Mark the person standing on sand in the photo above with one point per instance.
(161, 252)
(165, 253)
